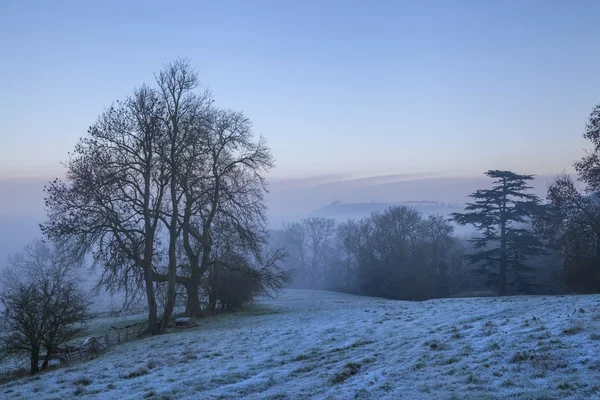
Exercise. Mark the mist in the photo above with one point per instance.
(288, 200)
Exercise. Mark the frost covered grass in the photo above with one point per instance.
(309, 344)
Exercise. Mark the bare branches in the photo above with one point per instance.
(44, 307)
(158, 177)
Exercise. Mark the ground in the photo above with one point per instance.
(323, 345)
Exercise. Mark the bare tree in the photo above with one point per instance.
(309, 244)
(571, 222)
(44, 306)
(221, 178)
(112, 199)
(184, 120)
(146, 189)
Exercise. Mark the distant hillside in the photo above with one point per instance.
(342, 211)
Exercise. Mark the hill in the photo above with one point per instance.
(342, 211)
(323, 345)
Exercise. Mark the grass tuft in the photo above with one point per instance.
(349, 370)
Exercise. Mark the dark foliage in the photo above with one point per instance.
(571, 220)
(396, 254)
(502, 215)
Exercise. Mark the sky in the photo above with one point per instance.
(336, 87)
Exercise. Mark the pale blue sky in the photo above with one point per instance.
(365, 88)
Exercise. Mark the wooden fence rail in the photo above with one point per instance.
(121, 335)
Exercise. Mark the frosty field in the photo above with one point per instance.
(323, 345)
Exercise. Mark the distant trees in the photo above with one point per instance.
(501, 216)
(44, 306)
(155, 184)
(309, 245)
(404, 255)
(396, 254)
(572, 217)
(571, 222)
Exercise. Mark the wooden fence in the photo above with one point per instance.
(92, 346)
(125, 334)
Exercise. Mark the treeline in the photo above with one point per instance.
(401, 254)
(521, 244)
(396, 254)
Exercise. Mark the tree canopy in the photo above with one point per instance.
(501, 216)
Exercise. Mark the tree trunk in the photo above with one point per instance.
(173, 228)
(35, 359)
(172, 277)
(502, 280)
(192, 307)
(152, 307)
(46, 359)
(503, 260)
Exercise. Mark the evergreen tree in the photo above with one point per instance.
(501, 215)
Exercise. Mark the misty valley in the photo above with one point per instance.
(327, 200)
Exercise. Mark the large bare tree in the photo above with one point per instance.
(111, 200)
(156, 175)
(222, 187)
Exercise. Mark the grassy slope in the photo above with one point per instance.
(325, 345)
